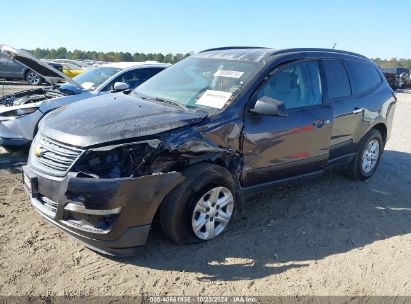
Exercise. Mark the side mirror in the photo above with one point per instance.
(120, 86)
(269, 106)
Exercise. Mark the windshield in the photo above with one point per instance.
(200, 83)
(91, 79)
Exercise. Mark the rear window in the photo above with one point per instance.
(337, 79)
(363, 76)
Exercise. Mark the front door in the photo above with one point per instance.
(277, 147)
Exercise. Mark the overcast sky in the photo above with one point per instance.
(372, 28)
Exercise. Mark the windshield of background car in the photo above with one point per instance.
(200, 83)
(91, 79)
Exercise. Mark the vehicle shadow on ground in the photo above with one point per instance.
(295, 226)
(13, 161)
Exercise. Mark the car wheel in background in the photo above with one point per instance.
(33, 78)
(368, 156)
(201, 207)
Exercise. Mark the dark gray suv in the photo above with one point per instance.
(190, 144)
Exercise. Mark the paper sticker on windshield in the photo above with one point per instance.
(87, 85)
(214, 99)
(228, 73)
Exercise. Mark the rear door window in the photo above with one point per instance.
(363, 76)
(338, 83)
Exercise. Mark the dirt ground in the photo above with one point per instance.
(330, 236)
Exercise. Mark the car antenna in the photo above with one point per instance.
(335, 43)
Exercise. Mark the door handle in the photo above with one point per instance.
(357, 110)
(318, 123)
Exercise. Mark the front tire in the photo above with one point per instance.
(201, 207)
(33, 78)
(368, 156)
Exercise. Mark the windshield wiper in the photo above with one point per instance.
(171, 102)
(174, 103)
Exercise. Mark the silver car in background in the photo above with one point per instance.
(21, 112)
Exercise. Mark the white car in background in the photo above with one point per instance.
(21, 112)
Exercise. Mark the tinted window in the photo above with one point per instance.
(153, 71)
(337, 79)
(297, 85)
(134, 78)
(363, 76)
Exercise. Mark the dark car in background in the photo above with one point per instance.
(398, 78)
(189, 145)
(11, 70)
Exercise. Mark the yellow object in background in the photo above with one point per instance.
(72, 73)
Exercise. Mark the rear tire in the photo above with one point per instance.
(33, 78)
(368, 156)
(179, 212)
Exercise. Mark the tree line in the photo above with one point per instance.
(393, 62)
(63, 53)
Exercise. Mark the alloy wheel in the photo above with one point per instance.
(212, 213)
(370, 156)
(33, 78)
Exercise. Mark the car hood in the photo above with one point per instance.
(50, 74)
(114, 117)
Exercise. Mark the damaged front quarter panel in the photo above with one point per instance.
(138, 175)
(218, 144)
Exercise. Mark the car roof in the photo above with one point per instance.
(258, 54)
(125, 65)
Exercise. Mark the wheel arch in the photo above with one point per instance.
(219, 162)
(26, 71)
(382, 128)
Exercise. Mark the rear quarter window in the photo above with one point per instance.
(338, 83)
(363, 76)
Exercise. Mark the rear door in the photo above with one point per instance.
(348, 84)
(277, 147)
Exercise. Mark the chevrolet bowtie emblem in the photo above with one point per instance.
(38, 151)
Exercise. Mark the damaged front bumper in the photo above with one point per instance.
(111, 216)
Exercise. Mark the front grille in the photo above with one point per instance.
(52, 157)
(49, 204)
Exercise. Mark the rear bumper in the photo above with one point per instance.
(111, 216)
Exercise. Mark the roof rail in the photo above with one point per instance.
(232, 47)
(281, 51)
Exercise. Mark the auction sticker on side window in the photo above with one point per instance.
(228, 73)
(214, 99)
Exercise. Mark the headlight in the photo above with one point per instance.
(19, 112)
(128, 160)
